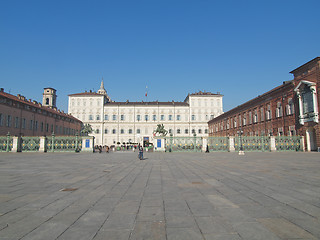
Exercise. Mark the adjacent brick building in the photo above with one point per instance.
(22, 117)
(289, 109)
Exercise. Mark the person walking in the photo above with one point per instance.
(140, 152)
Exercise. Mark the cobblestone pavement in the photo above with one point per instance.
(165, 196)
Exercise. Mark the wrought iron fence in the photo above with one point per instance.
(288, 143)
(183, 144)
(6, 143)
(30, 144)
(252, 143)
(63, 144)
(218, 144)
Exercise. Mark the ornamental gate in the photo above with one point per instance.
(288, 143)
(6, 143)
(218, 144)
(252, 143)
(30, 144)
(63, 144)
(183, 144)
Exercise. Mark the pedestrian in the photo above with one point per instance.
(100, 149)
(140, 152)
(107, 149)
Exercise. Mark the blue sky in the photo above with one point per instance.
(238, 48)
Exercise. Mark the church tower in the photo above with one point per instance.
(102, 90)
(49, 97)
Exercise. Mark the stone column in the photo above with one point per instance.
(273, 144)
(87, 144)
(15, 144)
(43, 141)
(204, 144)
(231, 144)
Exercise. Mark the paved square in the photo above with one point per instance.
(166, 196)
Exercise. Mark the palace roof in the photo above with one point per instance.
(21, 99)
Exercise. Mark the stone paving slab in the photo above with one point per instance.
(215, 196)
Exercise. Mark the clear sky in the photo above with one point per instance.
(238, 48)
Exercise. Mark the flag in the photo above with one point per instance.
(146, 91)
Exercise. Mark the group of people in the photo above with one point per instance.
(100, 148)
(139, 147)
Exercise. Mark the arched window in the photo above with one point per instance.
(47, 101)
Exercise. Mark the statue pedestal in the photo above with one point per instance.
(159, 144)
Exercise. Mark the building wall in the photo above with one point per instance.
(26, 118)
(114, 122)
(269, 114)
(287, 115)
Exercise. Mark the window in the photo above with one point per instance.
(255, 117)
(178, 117)
(154, 117)
(16, 122)
(41, 129)
(146, 117)
(138, 117)
(114, 131)
(24, 121)
(106, 131)
(290, 107)
(250, 117)
(199, 131)
(114, 117)
(8, 124)
(90, 117)
(206, 131)
(130, 131)
(186, 131)
(122, 117)
(244, 119)
(268, 113)
(47, 127)
(31, 125)
(170, 117)
(193, 117)
(262, 114)
(47, 101)
(97, 130)
(279, 110)
(138, 131)
(170, 131)
(178, 131)
(98, 117)
(36, 125)
(122, 131)
(193, 131)
(106, 117)
(162, 117)
(211, 116)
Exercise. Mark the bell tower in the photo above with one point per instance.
(49, 97)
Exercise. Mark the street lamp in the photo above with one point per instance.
(240, 132)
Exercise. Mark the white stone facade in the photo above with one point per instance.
(135, 122)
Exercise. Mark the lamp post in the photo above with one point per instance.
(240, 132)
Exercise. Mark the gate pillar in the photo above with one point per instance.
(231, 144)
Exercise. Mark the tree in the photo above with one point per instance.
(86, 129)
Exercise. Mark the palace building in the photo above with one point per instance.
(134, 122)
(289, 109)
(23, 117)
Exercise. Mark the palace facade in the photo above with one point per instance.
(23, 117)
(135, 122)
(289, 109)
